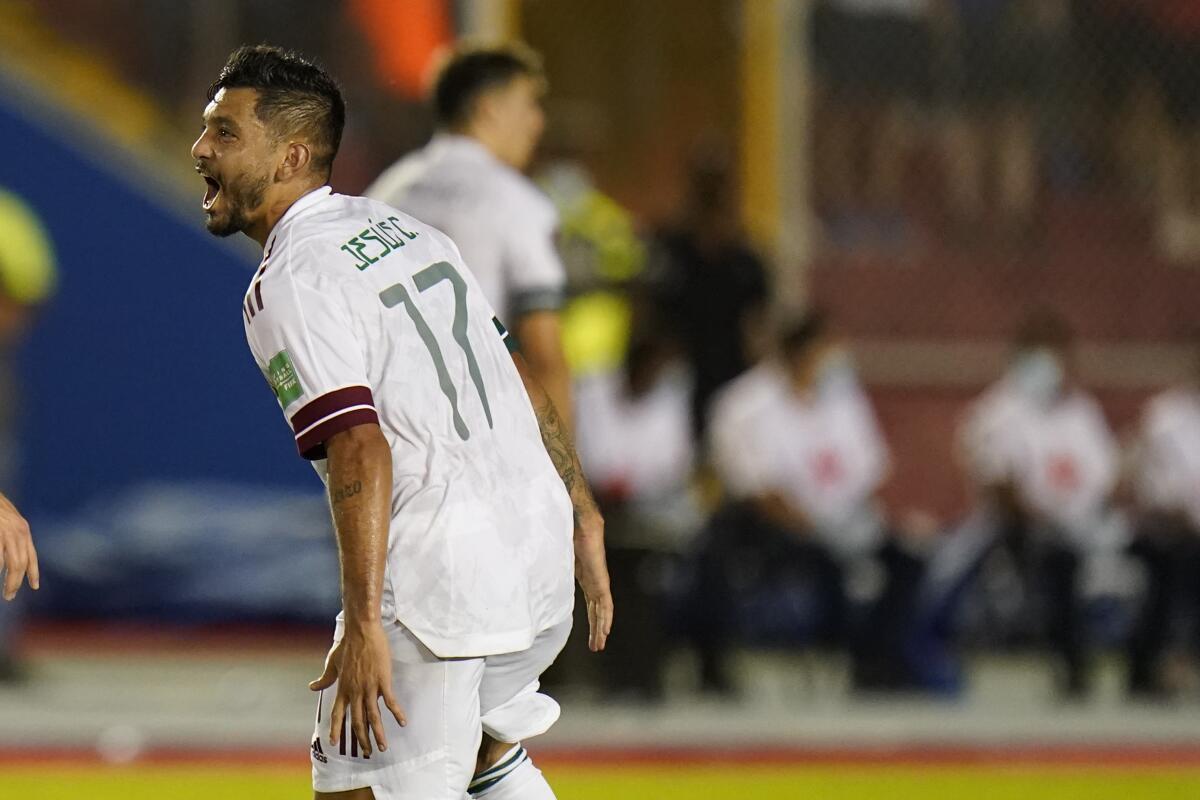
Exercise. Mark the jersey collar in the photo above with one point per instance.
(463, 146)
(302, 204)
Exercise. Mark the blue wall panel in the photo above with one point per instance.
(138, 369)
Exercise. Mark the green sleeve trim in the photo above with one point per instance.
(547, 298)
(509, 340)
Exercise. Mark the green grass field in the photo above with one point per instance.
(58, 782)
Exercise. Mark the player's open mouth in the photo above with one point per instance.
(212, 189)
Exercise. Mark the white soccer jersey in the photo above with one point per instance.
(824, 454)
(1168, 454)
(504, 226)
(362, 314)
(1061, 458)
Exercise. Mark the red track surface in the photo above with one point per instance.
(196, 641)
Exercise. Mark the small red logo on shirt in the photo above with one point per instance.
(827, 467)
(1062, 473)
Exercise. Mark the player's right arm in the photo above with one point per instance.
(18, 558)
(591, 567)
(302, 333)
(360, 488)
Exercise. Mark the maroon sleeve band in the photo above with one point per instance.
(330, 403)
(312, 444)
(330, 414)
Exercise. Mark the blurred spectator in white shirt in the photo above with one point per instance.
(803, 446)
(634, 434)
(1044, 466)
(797, 447)
(1166, 482)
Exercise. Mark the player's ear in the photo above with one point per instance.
(296, 159)
(484, 109)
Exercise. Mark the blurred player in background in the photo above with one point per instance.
(797, 447)
(446, 486)
(27, 279)
(468, 182)
(1044, 465)
(1167, 488)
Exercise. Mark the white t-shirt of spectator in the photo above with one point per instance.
(361, 314)
(640, 446)
(1168, 454)
(502, 223)
(823, 453)
(1059, 455)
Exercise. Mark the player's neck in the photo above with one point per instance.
(275, 208)
(488, 139)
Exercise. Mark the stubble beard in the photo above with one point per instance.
(242, 196)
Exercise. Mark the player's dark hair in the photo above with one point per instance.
(1043, 327)
(801, 334)
(295, 96)
(475, 69)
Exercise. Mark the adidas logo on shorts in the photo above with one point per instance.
(317, 752)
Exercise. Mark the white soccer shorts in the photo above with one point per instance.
(447, 703)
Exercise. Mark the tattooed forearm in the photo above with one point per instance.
(345, 492)
(360, 494)
(557, 440)
(556, 437)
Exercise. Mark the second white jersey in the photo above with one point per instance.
(503, 224)
(1168, 454)
(825, 454)
(1061, 458)
(361, 314)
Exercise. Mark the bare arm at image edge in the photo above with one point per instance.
(540, 335)
(18, 559)
(591, 567)
(360, 491)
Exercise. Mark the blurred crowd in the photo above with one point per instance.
(740, 465)
(736, 452)
(960, 120)
(741, 468)
(966, 117)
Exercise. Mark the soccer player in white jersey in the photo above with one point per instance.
(1044, 465)
(468, 182)
(453, 497)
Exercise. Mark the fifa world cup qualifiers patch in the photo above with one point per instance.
(284, 381)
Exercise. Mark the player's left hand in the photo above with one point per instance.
(361, 665)
(591, 570)
(18, 559)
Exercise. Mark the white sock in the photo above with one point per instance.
(513, 777)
